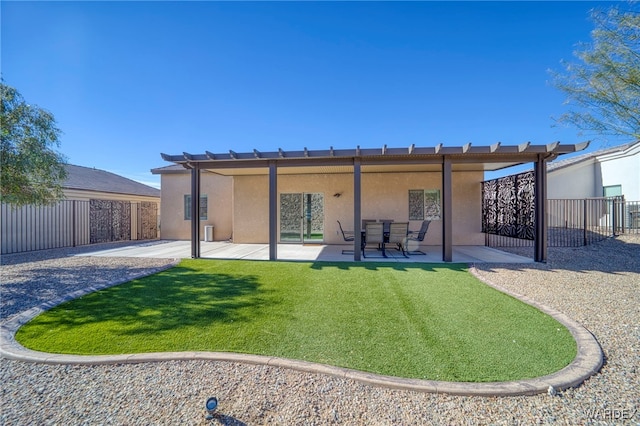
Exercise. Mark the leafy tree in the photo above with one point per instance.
(605, 85)
(31, 171)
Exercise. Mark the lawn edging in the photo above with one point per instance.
(589, 357)
(588, 361)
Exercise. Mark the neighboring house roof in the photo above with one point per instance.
(89, 179)
(172, 169)
(565, 162)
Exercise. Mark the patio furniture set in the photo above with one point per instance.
(386, 231)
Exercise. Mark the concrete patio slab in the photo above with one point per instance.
(303, 252)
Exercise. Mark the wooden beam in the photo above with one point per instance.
(523, 146)
(210, 155)
(256, 153)
(233, 154)
(582, 145)
(552, 146)
(280, 153)
(411, 148)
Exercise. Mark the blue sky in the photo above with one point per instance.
(128, 80)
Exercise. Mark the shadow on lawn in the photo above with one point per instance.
(34, 286)
(396, 266)
(179, 297)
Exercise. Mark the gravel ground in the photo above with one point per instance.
(598, 285)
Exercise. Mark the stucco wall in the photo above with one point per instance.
(581, 180)
(623, 171)
(251, 209)
(587, 178)
(384, 196)
(218, 190)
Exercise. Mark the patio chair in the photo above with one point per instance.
(418, 236)
(385, 224)
(347, 236)
(373, 234)
(365, 221)
(398, 235)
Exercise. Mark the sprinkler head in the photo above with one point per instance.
(210, 406)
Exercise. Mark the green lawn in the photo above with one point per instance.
(409, 320)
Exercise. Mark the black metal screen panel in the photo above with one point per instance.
(508, 206)
(109, 221)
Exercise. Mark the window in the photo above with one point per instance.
(612, 191)
(187, 207)
(424, 204)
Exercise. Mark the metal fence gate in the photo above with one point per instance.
(580, 222)
(71, 223)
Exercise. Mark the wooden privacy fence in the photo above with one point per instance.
(580, 222)
(71, 223)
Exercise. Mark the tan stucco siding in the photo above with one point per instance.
(251, 209)
(384, 196)
(467, 208)
(218, 190)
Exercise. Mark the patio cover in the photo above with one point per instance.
(357, 161)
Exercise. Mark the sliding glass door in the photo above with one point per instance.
(301, 217)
